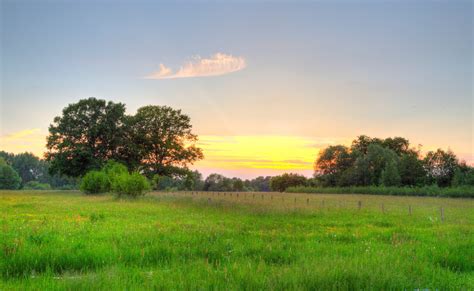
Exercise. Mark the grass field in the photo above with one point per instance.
(66, 240)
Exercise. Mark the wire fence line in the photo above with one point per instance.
(440, 209)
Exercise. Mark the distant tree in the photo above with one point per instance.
(331, 163)
(463, 175)
(89, 133)
(29, 167)
(258, 184)
(282, 182)
(367, 169)
(237, 184)
(9, 178)
(412, 172)
(217, 182)
(198, 182)
(361, 144)
(441, 166)
(162, 140)
(399, 145)
(390, 175)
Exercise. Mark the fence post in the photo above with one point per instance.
(262, 196)
(209, 200)
(359, 204)
(307, 201)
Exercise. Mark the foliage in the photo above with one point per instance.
(89, 133)
(95, 182)
(35, 185)
(9, 178)
(331, 164)
(114, 169)
(260, 183)
(217, 182)
(156, 140)
(190, 180)
(162, 140)
(440, 166)
(462, 191)
(390, 175)
(373, 161)
(131, 185)
(463, 175)
(281, 183)
(412, 172)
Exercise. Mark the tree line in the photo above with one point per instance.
(158, 143)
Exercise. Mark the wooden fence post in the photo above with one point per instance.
(359, 204)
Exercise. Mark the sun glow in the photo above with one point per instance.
(260, 152)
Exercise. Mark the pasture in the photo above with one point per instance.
(189, 240)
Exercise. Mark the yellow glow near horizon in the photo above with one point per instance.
(28, 140)
(260, 152)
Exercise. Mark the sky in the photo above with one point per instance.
(267, 84)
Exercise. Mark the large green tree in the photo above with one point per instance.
(89, 133)
(162, 140)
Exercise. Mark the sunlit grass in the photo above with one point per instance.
(66, 240)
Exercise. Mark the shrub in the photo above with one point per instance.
(114, 169)
(132, 185)
(9, 178)
(35, 185)
(95, 182)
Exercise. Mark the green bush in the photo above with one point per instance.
(132, 185)
(95, 182)
(114, 169)
(9, 178)
(35, 185)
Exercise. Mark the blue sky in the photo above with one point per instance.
(329, 70)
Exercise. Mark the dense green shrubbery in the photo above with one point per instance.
(9, 178)
(95, 182)
(35, 185)
(462, 191)
(114, 169)
(132, 185)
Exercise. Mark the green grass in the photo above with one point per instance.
(67, 240)
(432, 191)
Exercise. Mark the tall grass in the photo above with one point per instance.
(65, 240)
(433, 191)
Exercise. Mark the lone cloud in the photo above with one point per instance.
(218, 64)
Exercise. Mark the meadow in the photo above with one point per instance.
(188, 240)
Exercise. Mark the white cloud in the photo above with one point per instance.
(217, 64)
